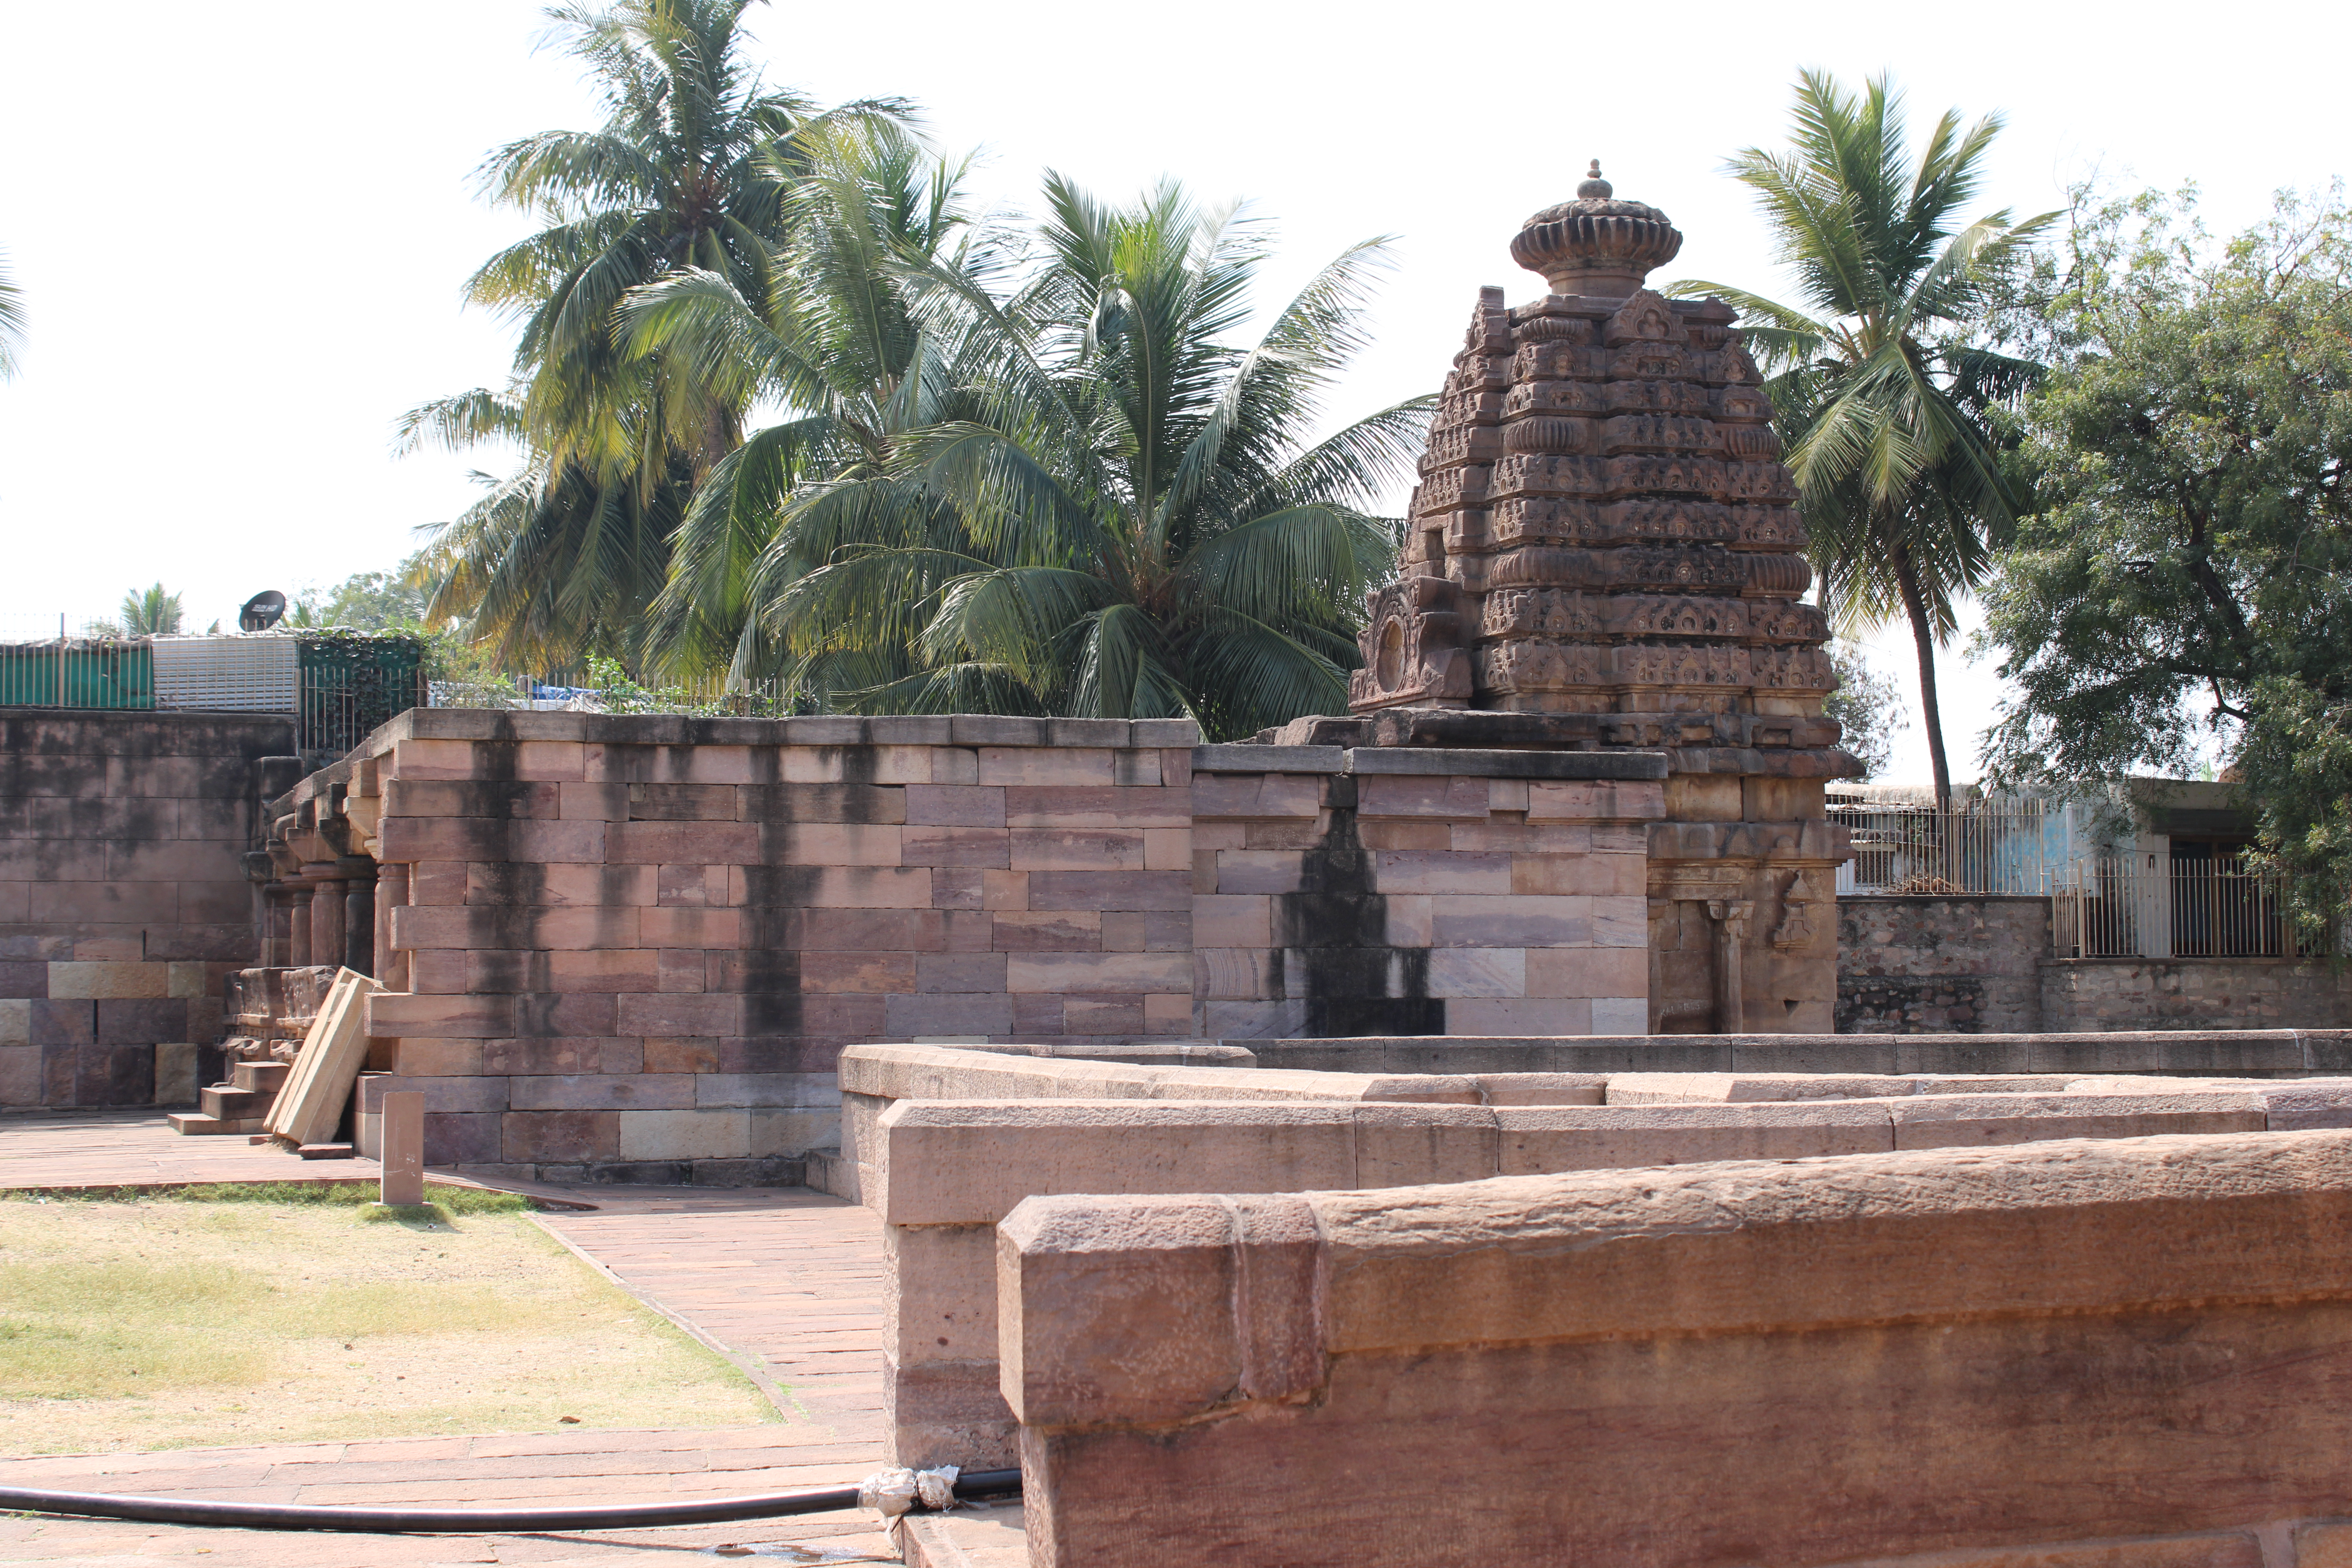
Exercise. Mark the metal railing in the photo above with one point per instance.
(1907, 848)
(2122, 906)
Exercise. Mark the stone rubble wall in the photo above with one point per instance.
(1983, 963)
(1917, 966)
(124, 905)
(2195, 993)
(1944, 1357)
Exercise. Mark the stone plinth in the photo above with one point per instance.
(1949, 1356)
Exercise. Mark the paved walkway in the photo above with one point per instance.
(138, 1148)
(787, 1283)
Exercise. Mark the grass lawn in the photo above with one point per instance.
(298, 1314)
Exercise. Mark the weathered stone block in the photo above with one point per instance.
(109, 980)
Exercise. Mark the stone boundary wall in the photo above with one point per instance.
(1984, 964)
(1923, 965)
(949, 1142)
(2196, 992)
(1714, 1365)
(124, 903)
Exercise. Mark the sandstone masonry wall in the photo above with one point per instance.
(1375, 891)
(635, 947)
(1719, 1364)
(124, 904)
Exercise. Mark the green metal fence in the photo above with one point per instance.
(77, 672)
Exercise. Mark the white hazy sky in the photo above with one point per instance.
(241, 230)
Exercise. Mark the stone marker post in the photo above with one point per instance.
(402, 1142)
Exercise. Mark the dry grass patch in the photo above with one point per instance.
(180, 1321)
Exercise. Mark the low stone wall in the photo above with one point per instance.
(1711, 1366)
(2195, 994)
(1984, 965)
(1935, 965)
(948, 1143)
(124, 903)
(2236, 1052)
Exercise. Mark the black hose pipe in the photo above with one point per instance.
(462, 1520)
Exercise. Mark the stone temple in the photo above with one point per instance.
(1604, 552)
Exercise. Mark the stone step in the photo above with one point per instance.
(235, 1104)
(326, 1152)
(261, 1077)
(197, 1124)
(977, 1535)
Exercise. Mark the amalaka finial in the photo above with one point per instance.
(1595, 188)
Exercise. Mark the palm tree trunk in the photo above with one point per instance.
(1922, 636)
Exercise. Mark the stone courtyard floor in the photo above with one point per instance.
(786, 1282)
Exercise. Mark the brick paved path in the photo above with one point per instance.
(789, 1283)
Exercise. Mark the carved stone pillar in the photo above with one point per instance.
(390, 893)
(326, 912)
(298, 923)
(359, 914)
(1730, 916)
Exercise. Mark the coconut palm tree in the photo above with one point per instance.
(1880, 384)
(687, 171)
(153, 613)
(834, 344)
(1123, 515)
(12, 323)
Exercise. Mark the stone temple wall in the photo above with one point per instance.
(635, 947)
(124, 905)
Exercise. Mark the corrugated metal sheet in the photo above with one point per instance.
(243, 673)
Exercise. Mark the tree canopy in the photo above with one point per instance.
(1108, 506)
(2185, 579)
(1879, 378)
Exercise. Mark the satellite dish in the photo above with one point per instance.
(261, 611)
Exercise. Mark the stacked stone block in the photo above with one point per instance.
(123, 900)
(635, 947)
(1391, 891)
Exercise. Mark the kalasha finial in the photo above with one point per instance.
(1596, 244)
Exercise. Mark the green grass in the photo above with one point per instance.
(332, 1195)
(297, 1312)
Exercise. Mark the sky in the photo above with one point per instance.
(241, 232)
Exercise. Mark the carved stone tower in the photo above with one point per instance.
(1605, 552)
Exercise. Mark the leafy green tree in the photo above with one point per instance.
(1880, 379)
(2188, 578)
(1130, 518)
(689, 170)
(12, 323)
(377, 600)
(1867, 707)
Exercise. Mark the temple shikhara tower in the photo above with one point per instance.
(1605, 552)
